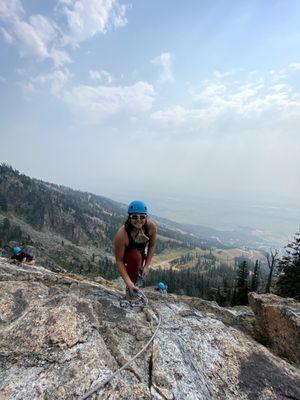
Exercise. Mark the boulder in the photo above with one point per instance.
(60, 335)
(278, 320)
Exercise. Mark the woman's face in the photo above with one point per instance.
(138, 220)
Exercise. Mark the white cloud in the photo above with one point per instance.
(178, 115)
(35, 36)
(56, 81)
(118, 15)
(210, 89)
(220, 75)
(28, 88)
(86, 18)
(102, 76)
(44, 38)
(11, 10)
(59, 57)
(281, 87)
(236, 103)
(164, 62)
(7, 37)
(45, 28)
(278, 75)
(92, 104)
(2, 79)
(32, 42)
(295, 65)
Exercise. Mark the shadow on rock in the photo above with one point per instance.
(258, 374)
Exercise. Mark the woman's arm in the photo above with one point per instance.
(151, 248)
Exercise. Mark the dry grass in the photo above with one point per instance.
(225, 256)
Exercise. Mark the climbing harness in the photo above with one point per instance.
(105, 381)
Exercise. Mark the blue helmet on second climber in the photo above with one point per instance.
(161, 286)
(16, 250)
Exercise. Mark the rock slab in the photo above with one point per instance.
(60, 335)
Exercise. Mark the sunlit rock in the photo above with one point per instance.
(61, 334)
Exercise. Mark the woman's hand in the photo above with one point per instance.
(132, 288)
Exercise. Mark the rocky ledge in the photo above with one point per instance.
(278, 323)
(62, 334)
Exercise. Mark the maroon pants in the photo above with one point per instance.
(133, 261)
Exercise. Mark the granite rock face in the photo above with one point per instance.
(278, 320)
(61, 334)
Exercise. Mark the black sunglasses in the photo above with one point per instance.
(136, 217)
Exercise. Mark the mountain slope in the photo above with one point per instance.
(70, 228)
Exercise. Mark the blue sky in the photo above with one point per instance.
(154, 98)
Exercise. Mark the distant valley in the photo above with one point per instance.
(235, 222)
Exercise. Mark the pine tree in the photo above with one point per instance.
(288, 283)
(223, 295)
(242, 288)
(226, 291)
(218, 297)
(255, 277)
(272, 263)
(233, 298)
(3, 203)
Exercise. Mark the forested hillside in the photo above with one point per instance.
(69, 228)
(74, 230)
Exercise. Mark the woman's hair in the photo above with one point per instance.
(128, 225)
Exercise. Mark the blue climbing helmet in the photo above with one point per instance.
(161, 286)
(16, 249)
(137, 207)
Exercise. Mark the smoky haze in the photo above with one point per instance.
(184, 116)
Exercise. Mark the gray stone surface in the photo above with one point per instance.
(62, 334)
(278, 321)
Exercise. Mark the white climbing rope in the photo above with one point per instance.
(104, 382)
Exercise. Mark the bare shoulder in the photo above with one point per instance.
(121, 234)
(151, 226)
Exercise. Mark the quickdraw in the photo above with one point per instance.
(139, 300)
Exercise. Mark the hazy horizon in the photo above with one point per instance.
(278, 221)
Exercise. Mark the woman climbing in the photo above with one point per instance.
(135, 244)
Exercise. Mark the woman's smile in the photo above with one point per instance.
(137, 223)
